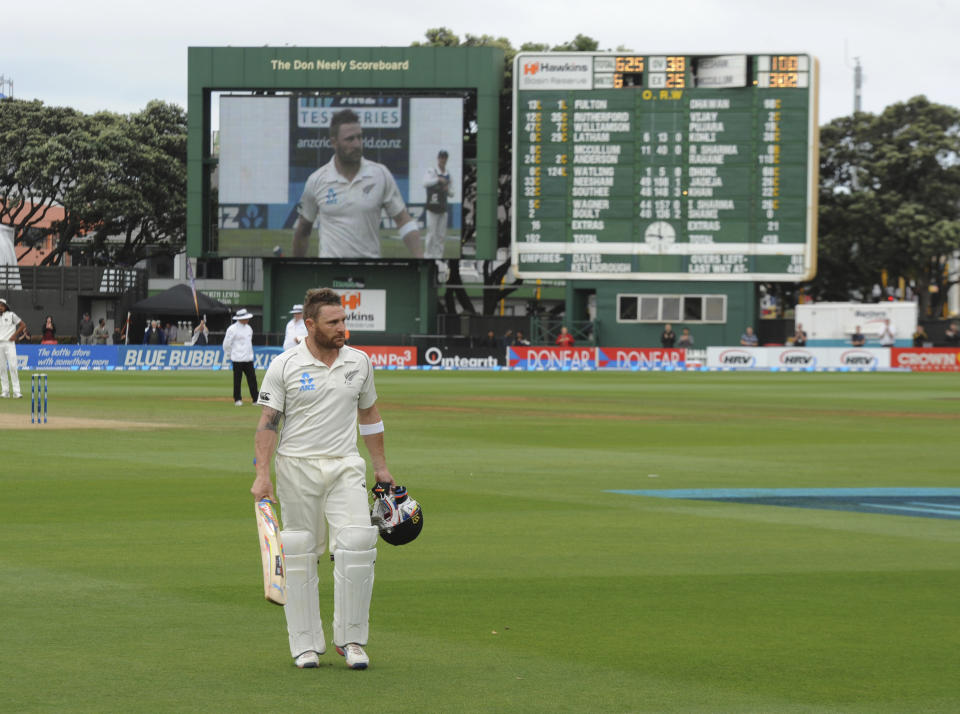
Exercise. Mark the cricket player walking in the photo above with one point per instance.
(321, 390)
(11, 327)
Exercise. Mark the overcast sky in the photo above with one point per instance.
(106, 54)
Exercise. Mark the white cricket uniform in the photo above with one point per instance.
(349, 211)
(8, 353)
(238, 343)
(295, 329)
(435, 220)
(321, 476)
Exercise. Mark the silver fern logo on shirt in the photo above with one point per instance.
(350, 375)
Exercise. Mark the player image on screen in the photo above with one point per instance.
(439, 190)
(365, 174)
(345, 198)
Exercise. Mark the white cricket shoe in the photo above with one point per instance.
(307, 660)
(356, 657)
(238, 403)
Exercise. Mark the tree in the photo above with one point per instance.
(493, 272)
(120, 180)
(147, 202)
(890, 201)
(37, 162)
(846, 267)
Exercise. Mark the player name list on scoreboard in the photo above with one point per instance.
(664, 167)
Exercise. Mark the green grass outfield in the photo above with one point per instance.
(131, 574)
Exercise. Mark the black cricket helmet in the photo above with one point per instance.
(396, 515)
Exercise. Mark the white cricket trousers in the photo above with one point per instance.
(436, 225)
(8, 361)
(322, 495)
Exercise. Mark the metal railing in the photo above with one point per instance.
(84, 280)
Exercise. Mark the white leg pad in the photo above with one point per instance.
(353, 562)
(304, 626)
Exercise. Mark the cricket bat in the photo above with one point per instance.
(271, 553)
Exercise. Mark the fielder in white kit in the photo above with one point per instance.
(321, 390)
(11, 327)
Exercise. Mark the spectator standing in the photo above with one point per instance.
(238, 348)
(887, 337)
(799, 337)
(564, 339)
(490, 340)
(100, 333)
(686, 339)
(153, 335)
(920, 337)
(201, 334)
(171, 333)
(951, 338)
(748, 338)
(519, 340)
(668, 338)
(48, 333)
(858, 339)
(85, 330)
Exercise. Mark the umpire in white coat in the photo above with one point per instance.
(238, 348)
(296, 330)
(322, 390)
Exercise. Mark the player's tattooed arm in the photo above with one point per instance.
(269, 420)
(264, 443)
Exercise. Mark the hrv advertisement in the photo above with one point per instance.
(798, 358)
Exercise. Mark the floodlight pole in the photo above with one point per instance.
(857, 84)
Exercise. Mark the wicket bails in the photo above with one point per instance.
(38, 398)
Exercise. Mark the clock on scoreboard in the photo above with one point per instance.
(666, 166)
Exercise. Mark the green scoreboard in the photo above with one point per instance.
(665, 167)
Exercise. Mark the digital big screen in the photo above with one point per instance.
(268, 147)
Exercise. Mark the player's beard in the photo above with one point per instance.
(350, 157)
(328, 343)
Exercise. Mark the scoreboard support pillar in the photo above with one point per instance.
(633, 313)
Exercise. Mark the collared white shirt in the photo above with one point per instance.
(319, 403)
(433, 176)
(8, 324)
(436, 198)
(349, 211)
(295, 328)
(238, 343)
